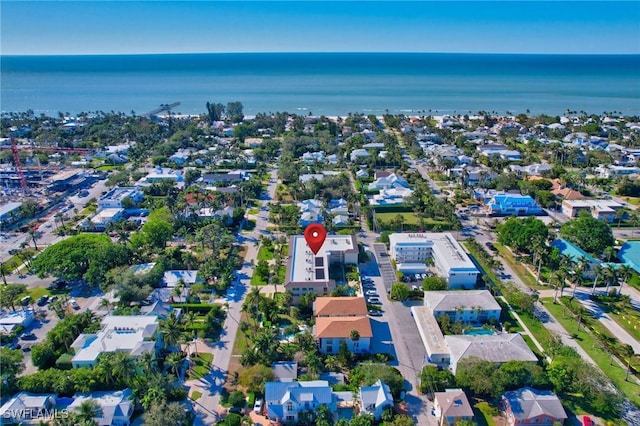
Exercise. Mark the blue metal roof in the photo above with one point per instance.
(574, 252)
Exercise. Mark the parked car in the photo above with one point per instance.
(25, 300)
(15, 345)
(28, 336)
(374, 301)
(74, 304)
(257, 407)
(586, 421)
(53, 298)
(372, 293)
(236, 410)
(490, 245)
(375, 313)
(42, 300)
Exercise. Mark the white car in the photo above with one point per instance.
(74, 304)
(257, 407)
(372, 293)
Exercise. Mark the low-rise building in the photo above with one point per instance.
(103, 218)
(116, 407)
(118, 196)
(338, 319)
(134, 334)
(308, 272)
(600, 209)
(499, 348)
(470, 306)
(431, 335)
(532, 406)
(12, 319)
(9, 213)
(410, 251)
(513, 204)
(452, 406)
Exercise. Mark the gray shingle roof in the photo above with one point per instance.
(440, 301)
(527, 403)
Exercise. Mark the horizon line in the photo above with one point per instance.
(322, 52)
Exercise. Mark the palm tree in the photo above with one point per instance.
(625, 272)
(35, 235)
(171, 329)
(611, 276)
(105, 303)
(147, 362)
(598, 272)
(354, 335)
(174, 361)
(88, 410)
(123, 367)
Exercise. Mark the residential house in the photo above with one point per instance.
(567, 194)
(313, 157)
(102, 218)
(374, 399)
(532, 406)
(11, 319)
(499, 348)
(224, 178)
(530, 170)
(116, 407)
(391, 181)
(609, 171)
(28, 408)
(310, 212)
(286, 400)
(359, 155)
(285, 371)
(337, 318)
(390, 197)
(362, 173)
(513, 204)
(470, 306)
(452, 406)
(134, 334)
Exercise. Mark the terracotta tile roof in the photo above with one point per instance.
(340, 327)
(568, 194)
(340, 307)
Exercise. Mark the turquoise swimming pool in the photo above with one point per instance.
(479, 332)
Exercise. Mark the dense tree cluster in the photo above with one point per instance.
(588, 233)
(519, 234)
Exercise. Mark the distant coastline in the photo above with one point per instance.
(323, 83)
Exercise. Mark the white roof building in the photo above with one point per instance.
(134, 334)
(12, 319)
(171, 278)
(26, 408)
(116, 407)
(116, 197)
(411, 250)
(309, 272)
(9, 212)
(499, 348)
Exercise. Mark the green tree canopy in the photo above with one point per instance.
(399, 291)
(434, 284)
(519, 233)
(588, 233)
(88, 256)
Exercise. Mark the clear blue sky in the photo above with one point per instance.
(105, 27)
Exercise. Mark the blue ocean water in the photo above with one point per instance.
(323, 83)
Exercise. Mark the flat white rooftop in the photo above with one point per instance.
(119, 333)
(596, 204)
(305, 266)
(106, 214)
(449, 252)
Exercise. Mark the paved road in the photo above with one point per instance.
(208, 405)
(397, 333)
(582, 294)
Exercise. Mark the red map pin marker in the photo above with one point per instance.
(315, 235)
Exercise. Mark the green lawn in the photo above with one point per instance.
(483, 414)
(253, 210)
(196, 395)
(518, 267)
(592, 347)
(256, 280)
(202, 366)
(410, 218)
(627, 317)
(265, 253)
